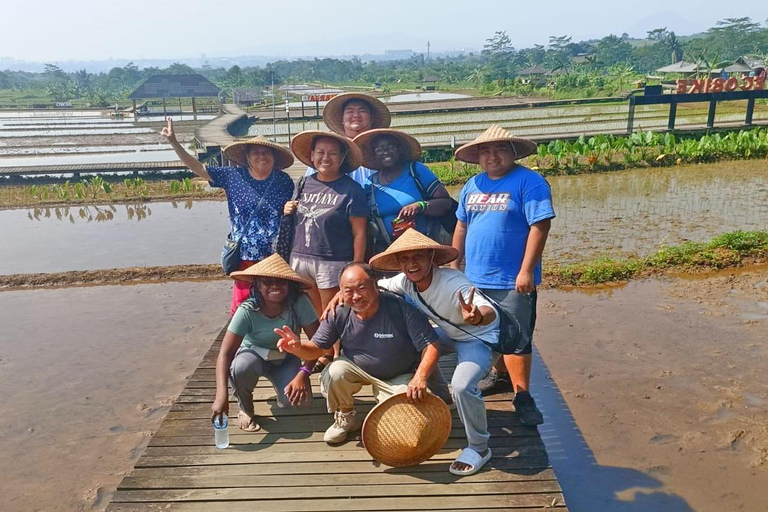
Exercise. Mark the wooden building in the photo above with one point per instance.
(175, 86)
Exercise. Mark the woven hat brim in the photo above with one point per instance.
(236, 152)
(301, 145)
(470, 152)
(272, 267)
(333, 111)
(412, 240)
(389, 436)
(364, 141)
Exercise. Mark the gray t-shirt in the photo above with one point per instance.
(322, 226)
(387, 345)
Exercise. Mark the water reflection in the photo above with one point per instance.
(90, 213)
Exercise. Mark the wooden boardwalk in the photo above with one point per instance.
(287, 466)
(93, 168)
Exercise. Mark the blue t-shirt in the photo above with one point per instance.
(243, 195)
(498, 214)
(360, 175)
(391, 198)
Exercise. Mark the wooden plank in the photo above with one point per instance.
(329, 456)
(312, 491)
(234, 481)
(237, 437)
(459, 441)
(318, 504)
(519, 465)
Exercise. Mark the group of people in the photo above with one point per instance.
(371, 271)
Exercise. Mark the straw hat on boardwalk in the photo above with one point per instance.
(238, 152)
(470, 152)
(412, 240)
(273, 267)
(333, 111)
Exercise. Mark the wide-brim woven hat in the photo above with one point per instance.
(334, 110)
(273, 266)
(301, 145)
(398, 433)
(470, 152)
(410, 149)
(236, 152)
(412, 240)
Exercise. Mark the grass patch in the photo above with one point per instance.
(726, 250)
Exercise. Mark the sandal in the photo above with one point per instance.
(471, 458)
(246, 423)
(321, 363)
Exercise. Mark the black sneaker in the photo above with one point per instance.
(494, 383)
(525, 406)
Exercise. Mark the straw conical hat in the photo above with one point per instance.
(301, 145)
(236, 152)
(273, 266)
(412, 240)
(333, 111)
(522, 147)
(410, 149)
(398, 433)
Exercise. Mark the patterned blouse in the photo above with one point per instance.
(244, 193)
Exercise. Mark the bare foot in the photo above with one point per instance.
(246, 423)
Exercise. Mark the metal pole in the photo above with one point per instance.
(631, 116)
(750, 110)
(288, 112)
(274, 119)
(711, 115)
(672, 115)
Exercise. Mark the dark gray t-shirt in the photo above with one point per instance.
(322, 227)
(387, 345)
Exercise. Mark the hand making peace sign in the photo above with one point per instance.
(469, 312)
(167, 132)
(289, 341)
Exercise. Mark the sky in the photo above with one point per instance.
(55, 31)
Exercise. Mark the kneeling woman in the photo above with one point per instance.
(249, 349)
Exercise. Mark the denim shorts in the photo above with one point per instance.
(521, 306)
(322, 272)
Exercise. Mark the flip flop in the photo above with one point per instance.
(250, 423)
(471, 458)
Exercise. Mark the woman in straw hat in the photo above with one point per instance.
(256, 189)
(504, 217)
(249, 349)
(404, 192)
(330, 213)
(351, 114)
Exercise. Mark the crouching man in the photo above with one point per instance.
(468, 325)
(385, 343)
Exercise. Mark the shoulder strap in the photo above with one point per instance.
(426, 192)
(375, 213)
(299, 188)
(421, 299)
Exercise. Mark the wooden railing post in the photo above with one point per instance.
(672, 115)
(631, 116)
(750, 111)
(711, 115)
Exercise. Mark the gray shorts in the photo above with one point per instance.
(521, 306)
(324, 273)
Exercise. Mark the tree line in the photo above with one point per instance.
(610, 62)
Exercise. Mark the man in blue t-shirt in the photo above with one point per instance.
(504, 217)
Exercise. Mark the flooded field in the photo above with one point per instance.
(617, 213)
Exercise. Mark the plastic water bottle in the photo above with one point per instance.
(221, 431)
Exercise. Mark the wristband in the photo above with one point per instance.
(305, 370)
(423, 205)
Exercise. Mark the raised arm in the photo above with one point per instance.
(190, 161)
(290, 342)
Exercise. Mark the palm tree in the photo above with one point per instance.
(674, 46)
(477, 77)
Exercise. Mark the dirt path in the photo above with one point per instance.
(667, 377)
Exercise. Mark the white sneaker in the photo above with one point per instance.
(344, 422)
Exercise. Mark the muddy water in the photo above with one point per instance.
(94, 237)
(638, 211)
(84, 390)
(618, 213)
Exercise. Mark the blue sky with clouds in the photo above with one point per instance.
(46, 30)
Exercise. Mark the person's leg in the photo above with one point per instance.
(306, 268)
(240, 289)
(280, 374)
(474, 361)
(522, 307)
(339, 382)
(244, 373)
(383, 389)
(328, 273)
